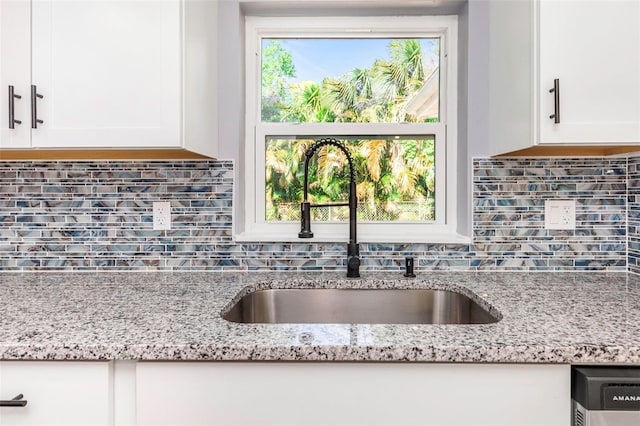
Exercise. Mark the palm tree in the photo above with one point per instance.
(404, 73)
(308, 104)
(401, 76)
(351, 95)
(282, 173)
(389, 171)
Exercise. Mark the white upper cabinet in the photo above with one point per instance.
(591, 48)
(108, 71)
(15, 74)
(110, 74)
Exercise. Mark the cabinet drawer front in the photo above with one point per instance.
(57, 393)
(305, 394)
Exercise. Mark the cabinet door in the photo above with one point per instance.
(108, 71)
(593, 48)
(351, 394)
(57, 393)
(15, 70)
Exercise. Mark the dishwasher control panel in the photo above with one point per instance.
(605, 396)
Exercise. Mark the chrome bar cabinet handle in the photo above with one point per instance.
(556, 101)
(12, 108)
(34, 107)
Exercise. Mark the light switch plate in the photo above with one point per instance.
(560, 214)
(161, 215)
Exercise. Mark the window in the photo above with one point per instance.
(385, 87)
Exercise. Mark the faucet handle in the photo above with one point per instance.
(408, 268)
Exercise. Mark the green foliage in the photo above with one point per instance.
(362, 95)
(277, 68)
(391, 174)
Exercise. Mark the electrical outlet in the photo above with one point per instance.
(560, 214)
(161, 215)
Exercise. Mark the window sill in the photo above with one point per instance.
(247, 237)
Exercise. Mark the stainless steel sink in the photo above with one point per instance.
(358, 306)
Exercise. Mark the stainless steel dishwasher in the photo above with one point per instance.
(605, 396)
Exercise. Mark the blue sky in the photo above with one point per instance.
(315, 59)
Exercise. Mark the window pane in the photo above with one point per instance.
(350, 80)
(395, 178)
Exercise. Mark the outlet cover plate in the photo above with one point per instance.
(560, 214)
(161, 215)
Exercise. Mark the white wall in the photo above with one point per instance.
(231, 96)
(473, 105)
(478, 79)
(464, 163)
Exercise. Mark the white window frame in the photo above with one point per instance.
(443, 230)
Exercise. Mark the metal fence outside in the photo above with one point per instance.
(397, 211)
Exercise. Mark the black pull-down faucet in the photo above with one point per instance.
(353, 251)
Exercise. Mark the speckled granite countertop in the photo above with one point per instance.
(546, 318)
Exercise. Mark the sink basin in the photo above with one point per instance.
(358, 306)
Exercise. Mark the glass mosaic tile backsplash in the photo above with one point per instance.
(98, 216)
(633, 185)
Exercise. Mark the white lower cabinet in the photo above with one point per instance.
(127, 393)
(57, 393)
(333, 394)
